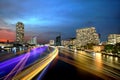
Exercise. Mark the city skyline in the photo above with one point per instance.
(47, 19)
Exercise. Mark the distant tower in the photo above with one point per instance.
(34, 40)
(20, 33)
(58, 40)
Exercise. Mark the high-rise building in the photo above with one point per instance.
(113, 38)
(58, 40)
(85, 36)
(33, 40)
(20, 33)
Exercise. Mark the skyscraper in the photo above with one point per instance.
(86, 35)
(20, 33)
(113, 38)
(58, 40)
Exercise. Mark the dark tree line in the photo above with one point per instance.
(112, 48)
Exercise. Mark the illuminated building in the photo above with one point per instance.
(72, 41)
(86, 35)
(65, 42)
(69, 43)
(20, 33)
(113, 38)
(52, 42)
(33, 40)
(98, 48)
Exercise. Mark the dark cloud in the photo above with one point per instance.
(10, 9)
(6, 26)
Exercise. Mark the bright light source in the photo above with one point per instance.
(2, 46)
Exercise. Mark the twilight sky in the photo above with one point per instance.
(47, 18)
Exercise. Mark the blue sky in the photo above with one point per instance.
(47, 18)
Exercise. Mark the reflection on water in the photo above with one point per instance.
(95, 63)
(111, 59)
(98, 61)
(100, 58)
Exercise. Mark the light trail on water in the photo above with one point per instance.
(13, 66)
